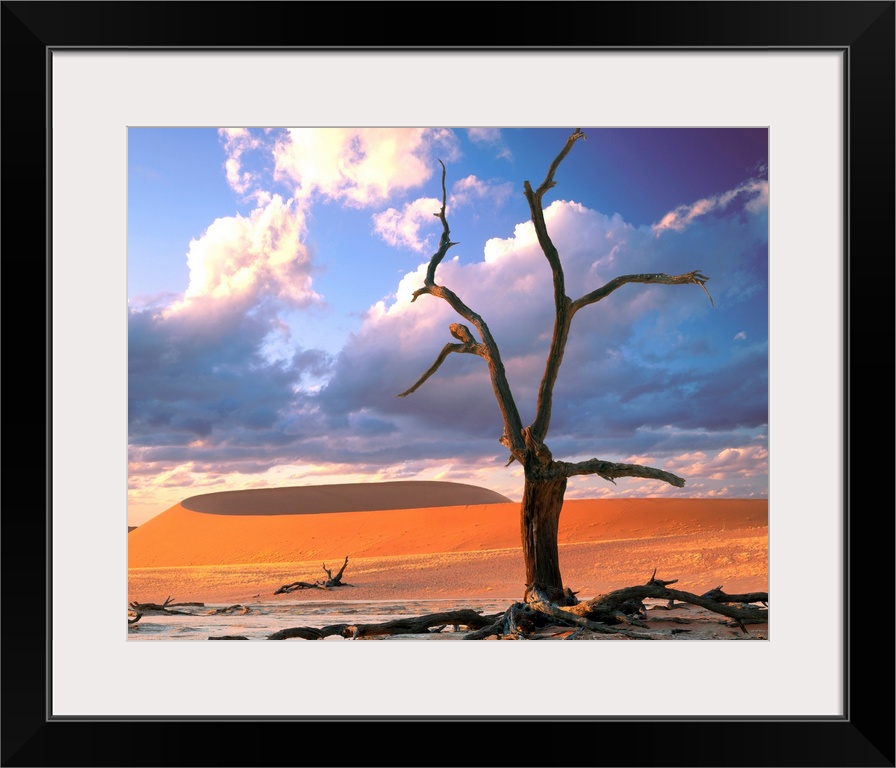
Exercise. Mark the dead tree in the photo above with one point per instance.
(330, 582)
(545, 477)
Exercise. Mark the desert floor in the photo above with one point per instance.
(239, 548)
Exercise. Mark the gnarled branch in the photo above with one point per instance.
(488, 349)
(549, 182)
(469, 346)
(564, 307)
(562, 314)
(335, 580)
(610, 471)
(433, 622)
(694, 277)
(331, 581)
(445, 240)
(745, 597)
(654, 589)
(163, 609)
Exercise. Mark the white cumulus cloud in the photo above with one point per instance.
(401, 228)
(359, 166)
(245, 259)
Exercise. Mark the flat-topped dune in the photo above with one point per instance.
(341, 497)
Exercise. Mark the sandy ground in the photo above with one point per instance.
(240, 553)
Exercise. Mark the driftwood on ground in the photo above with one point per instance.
(619, 605)
(604, 614)
(431, 623)
(230, 609)
(165, 609)
(330, 582)
(621, 612)
(748, 597)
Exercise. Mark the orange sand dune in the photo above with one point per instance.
(182, 536)
(237, 553)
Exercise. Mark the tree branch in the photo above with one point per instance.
(444, 242)
(341, 571)
(549, 609)
(610, 470)
(488, 349)
(562, 314)
(549, 182)
(657, 589)
(446, 350)
(694, 277)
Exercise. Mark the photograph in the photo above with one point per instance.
(646, 235)
(308, 460)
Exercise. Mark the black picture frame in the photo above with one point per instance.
(864, 736)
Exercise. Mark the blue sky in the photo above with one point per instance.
(270, 323)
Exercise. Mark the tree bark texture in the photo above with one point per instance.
(539, 523)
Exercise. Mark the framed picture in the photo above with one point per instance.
(818, 75)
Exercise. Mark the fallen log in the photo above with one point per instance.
(412, 626)
(165, 609)
(298, 585)
(304, 633)
(604, 614)
(330, 582)
(230, 610)
(606, 607)
(748, 597)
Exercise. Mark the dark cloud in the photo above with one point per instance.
(191, 379)
(651, 370)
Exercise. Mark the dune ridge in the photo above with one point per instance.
(341, 497)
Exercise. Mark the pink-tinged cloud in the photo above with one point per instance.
(240, 260)
(753, 194)
(357, 166)
(727, 464)
(237, 141)
(401, 228)
(471, 188)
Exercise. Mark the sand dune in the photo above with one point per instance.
(181, 536)
(235, 553)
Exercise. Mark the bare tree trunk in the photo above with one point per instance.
(539, 522)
